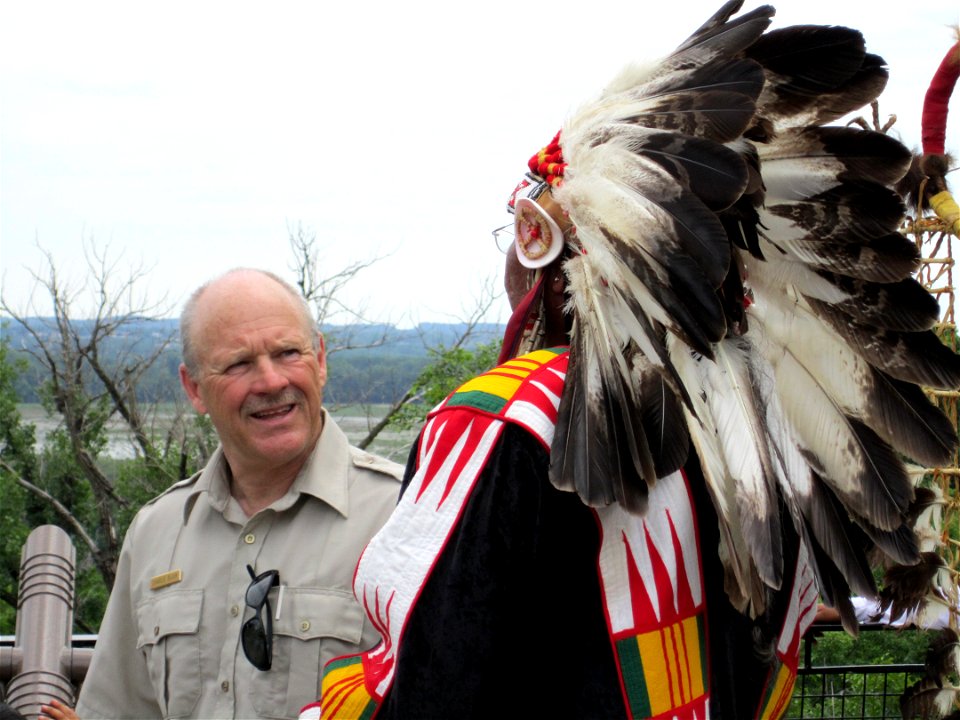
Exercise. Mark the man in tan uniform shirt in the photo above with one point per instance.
(284, 491)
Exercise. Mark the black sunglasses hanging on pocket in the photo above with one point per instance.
(256, 634)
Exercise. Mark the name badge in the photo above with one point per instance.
(171, 577)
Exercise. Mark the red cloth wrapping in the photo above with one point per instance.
(934, 121)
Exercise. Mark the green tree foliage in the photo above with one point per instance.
(886, 645)
(448, 369)
(850, 687)
(17, 459)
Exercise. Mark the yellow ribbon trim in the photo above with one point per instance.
(946, 209)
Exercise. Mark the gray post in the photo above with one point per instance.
(42, 664)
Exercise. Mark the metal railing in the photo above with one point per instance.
(44, 661)
(861, 692)
(822, 692)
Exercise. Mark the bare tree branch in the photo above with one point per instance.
(325, 293)
(82, 388)
(62, 510)
(409, 397)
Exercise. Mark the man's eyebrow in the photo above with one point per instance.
(231, 357)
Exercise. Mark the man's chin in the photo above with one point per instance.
(277, 454)
(283, 444)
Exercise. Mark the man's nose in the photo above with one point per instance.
(268, 379)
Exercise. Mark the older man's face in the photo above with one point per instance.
(259, 377)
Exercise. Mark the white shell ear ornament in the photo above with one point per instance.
(537, 237)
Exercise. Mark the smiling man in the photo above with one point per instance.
(217, 610)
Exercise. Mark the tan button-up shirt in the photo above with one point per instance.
(173, 650)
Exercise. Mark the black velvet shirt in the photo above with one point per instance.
(510, 623)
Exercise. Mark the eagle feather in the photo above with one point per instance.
(740, 288)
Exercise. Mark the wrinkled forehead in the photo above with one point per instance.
(228, 316)
(266, 338)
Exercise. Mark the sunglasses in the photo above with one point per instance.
(256, 635)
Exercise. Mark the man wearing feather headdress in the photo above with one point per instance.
(710, 377)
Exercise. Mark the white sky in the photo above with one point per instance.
(189, 136)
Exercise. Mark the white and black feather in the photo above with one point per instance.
(740, 290)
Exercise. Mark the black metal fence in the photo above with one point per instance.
(822, 692)
(865, 692)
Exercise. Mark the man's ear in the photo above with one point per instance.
(192, 388)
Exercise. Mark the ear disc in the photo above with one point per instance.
(537, 236)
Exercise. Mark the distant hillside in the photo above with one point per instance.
(367, 363)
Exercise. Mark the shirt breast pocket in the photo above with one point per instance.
(168, 626)
(314, 625)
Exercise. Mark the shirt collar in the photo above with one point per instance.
(324, 476)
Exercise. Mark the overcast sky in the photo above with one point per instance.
(190, 136)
